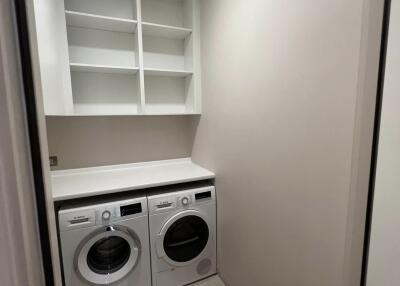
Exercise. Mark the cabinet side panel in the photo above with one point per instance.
(195, 7)
(52, 48)
(32, 8)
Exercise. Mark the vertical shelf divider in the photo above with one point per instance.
(142, 100)
(196, 61)
(197, 56)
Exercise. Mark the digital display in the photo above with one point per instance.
(131, 209)
(203, 195)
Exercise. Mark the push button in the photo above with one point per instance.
(106, 215)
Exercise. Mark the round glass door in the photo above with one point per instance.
(108, 255)
(186, 238)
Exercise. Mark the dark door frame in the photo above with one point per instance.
(34, 138)
(375, 144)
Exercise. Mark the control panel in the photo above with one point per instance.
(101, 214)
(180, 200)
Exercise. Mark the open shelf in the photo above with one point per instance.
(95, 93)
(117, 9)
(166, 72)
(162, 53)
(92, 21)
(176, 13)
(168, 94)
(103, 69)
(165, 31)
(100, 47)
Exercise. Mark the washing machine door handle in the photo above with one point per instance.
(185, 242)
(160, 236)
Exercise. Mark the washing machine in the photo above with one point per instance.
(182, 236)
(106, 243)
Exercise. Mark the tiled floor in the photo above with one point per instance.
(212, 281)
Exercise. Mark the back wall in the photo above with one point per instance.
(94, 141)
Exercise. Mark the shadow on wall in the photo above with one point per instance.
(94, 141)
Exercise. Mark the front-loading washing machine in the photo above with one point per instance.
(182, 236)
(106, 243)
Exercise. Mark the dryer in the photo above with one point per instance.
(106, 243)
(182, 236)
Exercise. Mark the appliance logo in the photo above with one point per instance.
(164, 204)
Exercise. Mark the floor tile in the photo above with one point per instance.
(212, 281)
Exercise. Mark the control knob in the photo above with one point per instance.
(106, 215)
(185, 201)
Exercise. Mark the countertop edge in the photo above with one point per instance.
(152, 182)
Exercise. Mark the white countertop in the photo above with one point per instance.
(86, 182)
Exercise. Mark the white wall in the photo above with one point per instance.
(280, 93)
(384, 256)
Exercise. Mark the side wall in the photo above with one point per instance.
(280, 91)
(363, 134)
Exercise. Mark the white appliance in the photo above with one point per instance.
(182, 236)
(106, 243)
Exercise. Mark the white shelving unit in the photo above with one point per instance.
(129, 57)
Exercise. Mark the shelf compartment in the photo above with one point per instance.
(100, 47)
(167, 53)
(166, 72)
(76, 67)
(168, 94)
(122, 9)
(177, 13)
(92, 21)
(165, 31)
(104, 93)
